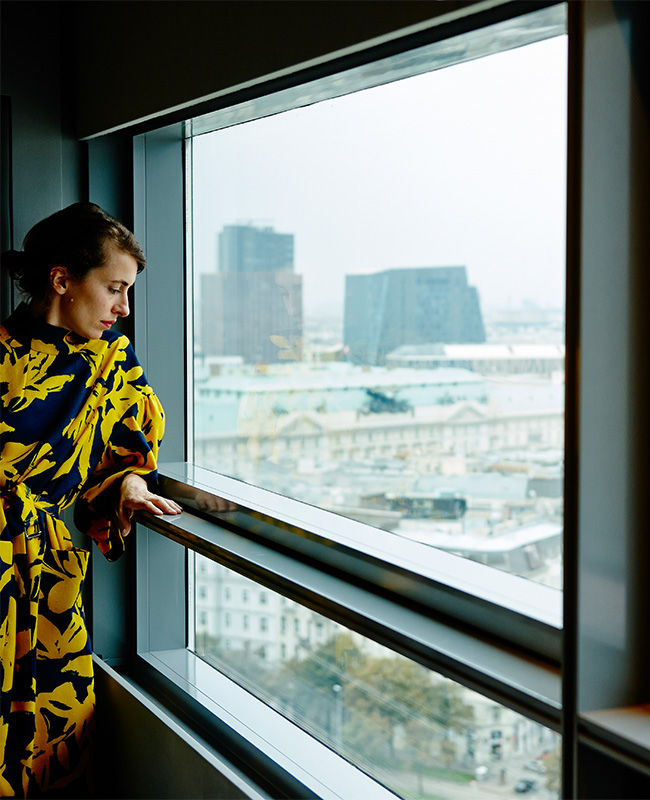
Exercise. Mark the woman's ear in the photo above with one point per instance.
(59, 280)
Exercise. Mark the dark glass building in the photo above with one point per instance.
(409, 306)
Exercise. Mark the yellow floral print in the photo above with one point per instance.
(76, 417)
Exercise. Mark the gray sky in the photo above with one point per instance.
(465, 165)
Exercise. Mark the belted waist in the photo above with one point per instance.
(26, 505)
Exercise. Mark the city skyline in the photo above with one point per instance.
(309, 172)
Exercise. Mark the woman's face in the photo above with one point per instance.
(90, 307)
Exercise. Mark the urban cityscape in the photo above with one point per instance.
(415, 413)
(379, 331)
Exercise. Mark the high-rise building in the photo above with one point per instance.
(255, 315)
(409, 306)
(247, 248)
(252, 307)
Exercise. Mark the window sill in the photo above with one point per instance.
(514, 609)
(622, 732)
(376, 609)
(249, 729)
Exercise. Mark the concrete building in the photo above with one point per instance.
(252, 306)
(487, 359)
(236, 614)
(254, 315)
(323, 415)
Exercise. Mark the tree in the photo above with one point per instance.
(408, 699)
(553, 763)
(305, 687)
(376, 709)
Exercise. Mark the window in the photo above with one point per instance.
(385, 713)
(264, 433)
(384, 255)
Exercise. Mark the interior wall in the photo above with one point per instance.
(613, 590)
(148, 754)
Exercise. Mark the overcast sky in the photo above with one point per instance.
(462, 166)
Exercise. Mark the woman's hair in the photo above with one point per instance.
(79, 238)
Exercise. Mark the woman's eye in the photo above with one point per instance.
(115, 291)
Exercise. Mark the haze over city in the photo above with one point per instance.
(489, 196)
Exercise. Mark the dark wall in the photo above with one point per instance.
(42, 155)
(151, 756)
(139, 58)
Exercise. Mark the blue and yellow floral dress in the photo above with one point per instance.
(76, 416)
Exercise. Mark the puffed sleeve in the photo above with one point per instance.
(131, 447)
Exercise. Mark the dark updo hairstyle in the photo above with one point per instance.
(79, 238)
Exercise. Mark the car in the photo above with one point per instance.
(525, 785)
(535, 766)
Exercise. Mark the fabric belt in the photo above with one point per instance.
(26, 506)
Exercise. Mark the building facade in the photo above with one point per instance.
(254, 315)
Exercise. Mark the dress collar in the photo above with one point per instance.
(46, 338)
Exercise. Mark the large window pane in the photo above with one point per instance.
(418, 733)
(379, 305)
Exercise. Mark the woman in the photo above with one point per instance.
(79, 422)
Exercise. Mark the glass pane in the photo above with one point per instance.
(379, 313)
(420, 734)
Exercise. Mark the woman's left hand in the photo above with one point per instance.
(135, 496)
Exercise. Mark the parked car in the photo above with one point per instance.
(525, 785)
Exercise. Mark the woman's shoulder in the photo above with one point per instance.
(116, 340)
(119, 351)
(113, 341)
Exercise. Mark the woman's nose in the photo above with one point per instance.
(122, 306)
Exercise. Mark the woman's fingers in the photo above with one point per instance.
(135, 496)
(162, 505)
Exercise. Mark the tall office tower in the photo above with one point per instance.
(409, 306)
(246, 248)
(252, 307)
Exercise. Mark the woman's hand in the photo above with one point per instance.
(135, 496)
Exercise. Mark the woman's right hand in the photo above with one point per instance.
(135, 496)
